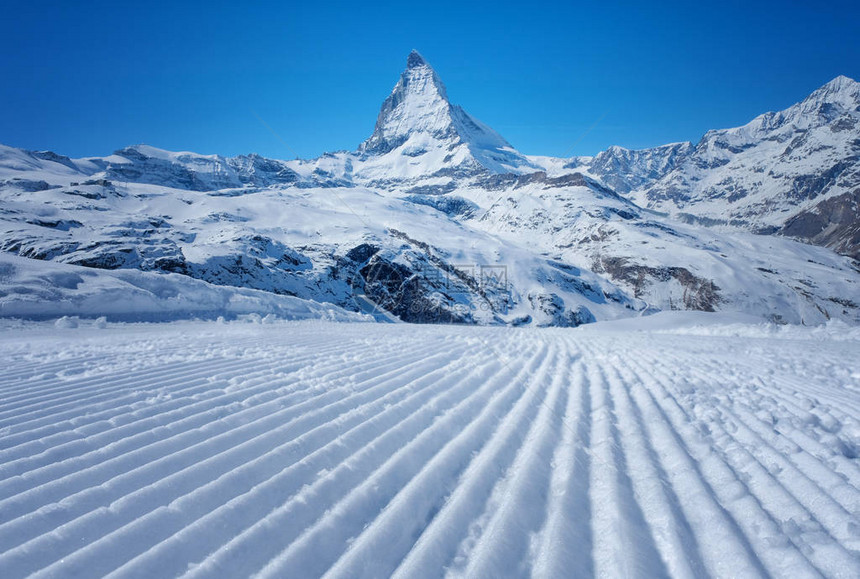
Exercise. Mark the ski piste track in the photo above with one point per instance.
(306, 449)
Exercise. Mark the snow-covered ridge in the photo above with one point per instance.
(38, 289)
(410, 223)
(794, 172)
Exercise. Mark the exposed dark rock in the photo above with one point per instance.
(362, 253)
(59, 224)
(27, 185)
(555, 313)
(699, 293)
(433, 189)
(54, 157)
(283, 257)
(407, 295)
(108, 257)
(449, 205)
(810, 186)
(833, 223)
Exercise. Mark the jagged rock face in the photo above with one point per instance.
(834, 223)
(696, 293)
(550, 311)
(625, 170)
(144, 164)
(418, 104)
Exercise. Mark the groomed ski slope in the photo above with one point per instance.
(305, 449)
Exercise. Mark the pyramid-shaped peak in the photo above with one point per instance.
(417, 118)
(418, 104)
(419, 77)
(415, 60)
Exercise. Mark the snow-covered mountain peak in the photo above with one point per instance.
(627, 169)
(841, 85)
(420, 130)
(793, 171)
(418, 103)
(386, 226)
(838, 97)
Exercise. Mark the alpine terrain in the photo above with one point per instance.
(436, 356)
(437, 218)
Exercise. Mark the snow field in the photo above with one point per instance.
(307, 449)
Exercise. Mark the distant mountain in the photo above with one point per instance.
(436, 218)
(626, 170)
(418, 127)
(795, 172)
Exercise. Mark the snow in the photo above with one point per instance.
(40, 290)
(550, 238)
(258, 429)
(681, 445)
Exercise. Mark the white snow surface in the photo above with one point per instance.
(551, 238)
(676, 445)
(34, 289)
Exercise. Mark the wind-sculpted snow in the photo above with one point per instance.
(311, 449)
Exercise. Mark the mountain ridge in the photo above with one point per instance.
(413, 220)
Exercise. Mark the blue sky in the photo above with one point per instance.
(556, 78)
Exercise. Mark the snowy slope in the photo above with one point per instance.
(329, 245)
(569, 250)
(310, 449)
(668, 264)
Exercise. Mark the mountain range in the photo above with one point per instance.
(437, 218)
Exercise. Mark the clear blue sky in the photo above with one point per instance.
(86, 80)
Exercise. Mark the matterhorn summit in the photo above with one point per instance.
(424, 135)
(417, 105)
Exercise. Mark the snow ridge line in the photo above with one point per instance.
(568, 498)
(739, 496)
(341, 446)
(139, 532)
(666, 522)
(189, 417)
(348, 474)
(797, 422)
(476, 453)
(503, 545)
